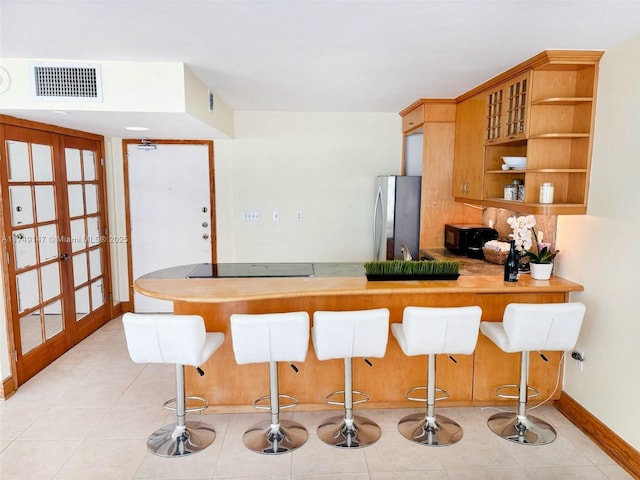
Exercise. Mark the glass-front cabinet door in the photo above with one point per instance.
(52, 215)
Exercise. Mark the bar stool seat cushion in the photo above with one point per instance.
(362, 333)
(531, 327)
(427, 330)
(277, 337)
(168, 338)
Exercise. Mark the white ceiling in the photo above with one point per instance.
(336, 56)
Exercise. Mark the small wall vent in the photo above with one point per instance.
(66, 82)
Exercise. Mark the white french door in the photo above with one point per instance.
(52, 196)
(171, 214)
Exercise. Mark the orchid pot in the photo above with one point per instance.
(540, 271)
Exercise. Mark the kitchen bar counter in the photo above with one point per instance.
(470, 381)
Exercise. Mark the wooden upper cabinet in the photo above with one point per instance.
(543, 109)
(468, 166)
(412, 117)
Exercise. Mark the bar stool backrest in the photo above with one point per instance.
(270, 337)
(427, 330)
(168, 338)
(550, 326)
(358, 333)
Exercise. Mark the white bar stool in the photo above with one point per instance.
(272, 337)
(182, 340)
(360, 333)
(430, 331)
(526, 327)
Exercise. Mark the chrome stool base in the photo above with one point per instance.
(418, 429)
(526, 430)
(283, 437)
(175, 441)
(362, 432)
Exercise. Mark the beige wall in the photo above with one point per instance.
(321, 163)
(598, 250)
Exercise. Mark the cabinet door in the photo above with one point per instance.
(469, 148)
(507, 110)
(516, 94)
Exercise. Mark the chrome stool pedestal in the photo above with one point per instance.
(275, 436)
(348, 430)
(181, 438)
(430, 428)
(520, 427)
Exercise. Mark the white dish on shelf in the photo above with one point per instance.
(515, 162)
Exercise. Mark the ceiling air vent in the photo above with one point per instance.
(66, 82)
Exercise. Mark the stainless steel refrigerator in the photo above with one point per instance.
(396, 217)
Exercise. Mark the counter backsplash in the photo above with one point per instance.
(544, 223)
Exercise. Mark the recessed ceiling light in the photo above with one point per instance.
(137, 129)
(59, 112)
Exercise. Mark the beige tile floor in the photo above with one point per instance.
(87, 416)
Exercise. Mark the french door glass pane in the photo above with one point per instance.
(50, 278)
(30, 331)
(53, 319)
(93, 231)
(24, 247)
(18, 155)
(27, 285)
(77, 235)
(97, 294)
(74, 169)
(42, 165)
(82, 302)
(80, 273)
(45, 203)
(76, 201)
(48, 241)
(89, 163)
(95, 262)
(21, 205)
(91, 196)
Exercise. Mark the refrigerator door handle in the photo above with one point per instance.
(377, 210)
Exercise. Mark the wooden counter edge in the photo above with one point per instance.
(221, 290)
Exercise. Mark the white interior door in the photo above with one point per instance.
(170, 211)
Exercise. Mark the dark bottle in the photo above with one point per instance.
(511, 264)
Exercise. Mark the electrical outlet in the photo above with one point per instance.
(299, 216)
(578, 357)
(276, 216)
(251, 216)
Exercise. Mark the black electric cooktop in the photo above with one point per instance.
(248, 270)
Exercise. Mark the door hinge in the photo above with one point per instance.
(102, 161)
(106, 230)
(111, 297)
(15, 355)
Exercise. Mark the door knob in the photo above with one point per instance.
(64, 256)
(205, 236)
(205, 224)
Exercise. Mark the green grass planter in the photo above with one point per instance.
(412, 270)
